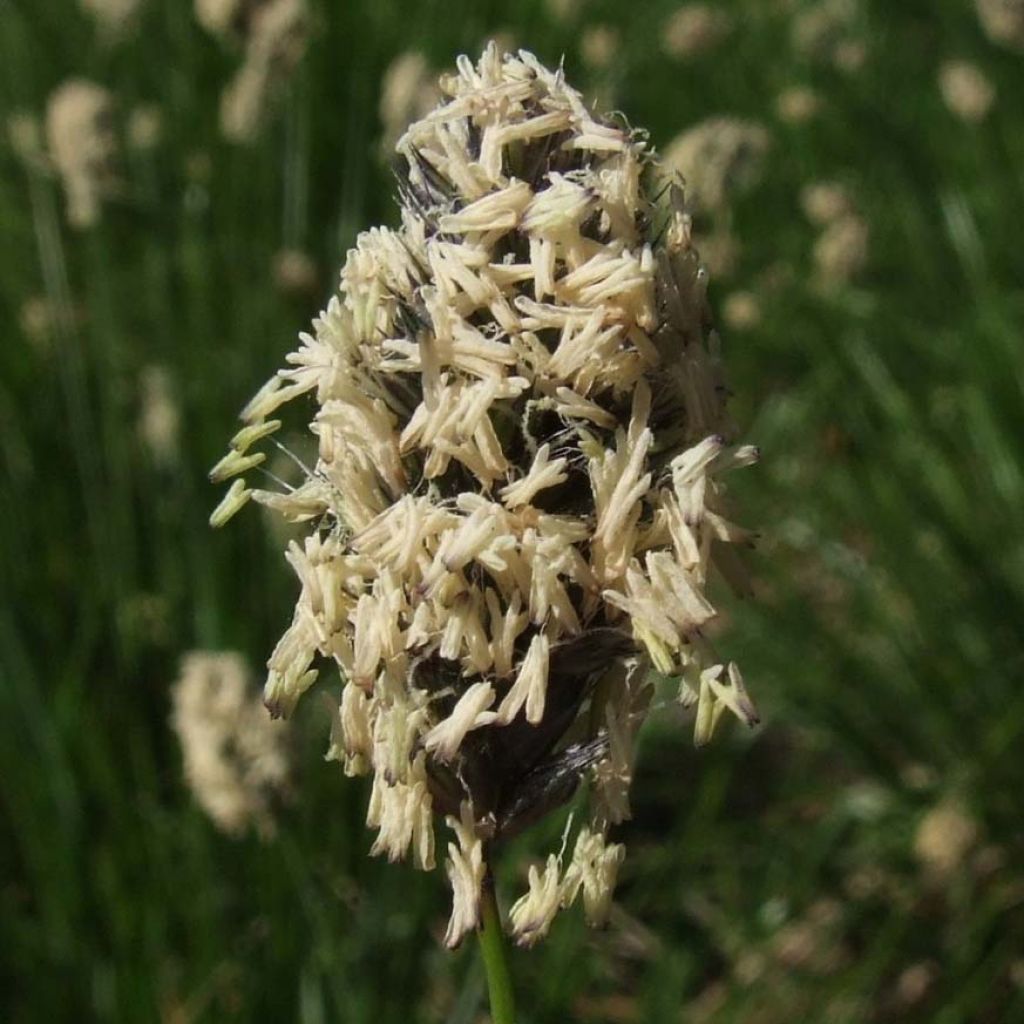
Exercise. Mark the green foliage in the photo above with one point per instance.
(768, 878)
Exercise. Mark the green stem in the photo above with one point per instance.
(492, 945)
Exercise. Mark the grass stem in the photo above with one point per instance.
(492, 946)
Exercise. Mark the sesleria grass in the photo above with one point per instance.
(886, 641)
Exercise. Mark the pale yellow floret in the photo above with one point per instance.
(399, 720)
(289, 674)
(618, 484)
(469, 713)
(594, 869)
(234, 464)
(716, 695)
(559, 209)
(351, 734)
(232, 502)
(401, 812)
(545, 472)
(497, 211)
(465, 868)
(505, 629)
(248, 436)
(530, 687)
(532, 914)
(306, 502)
(569, 403)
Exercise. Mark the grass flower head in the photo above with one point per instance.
(518, 498)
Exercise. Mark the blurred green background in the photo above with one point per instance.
(860, 857)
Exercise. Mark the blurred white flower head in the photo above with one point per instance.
(966, 90)
(797, 105)
(841, 251)
(82, 147)
(599, 45)
(159, 414)
(114, 17)
(719, 158)
(408, 92)
(944, 838)
(695, 29)
(295, 272)
(1003, 21)
(828, 31)
(222, 17)
(741, 311)
(273, 35)
(234, 755)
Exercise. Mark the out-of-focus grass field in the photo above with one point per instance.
(780, 876)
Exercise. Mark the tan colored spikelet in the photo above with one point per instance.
(519, 491)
